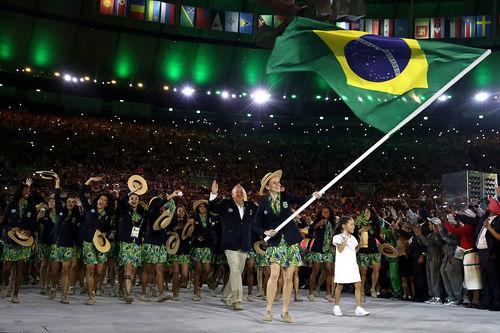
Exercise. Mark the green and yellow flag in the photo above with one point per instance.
(382, 79)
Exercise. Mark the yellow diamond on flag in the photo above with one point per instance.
(107, 3)
(243, 23)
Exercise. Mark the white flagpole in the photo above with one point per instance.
(385, 138)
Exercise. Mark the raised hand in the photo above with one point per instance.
(29, 181)
(215, 187)
(93, 179)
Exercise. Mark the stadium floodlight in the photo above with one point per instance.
(260, 96)
(225, 94)
(67, 77)
(481, 96)
(188, 91)
(443, 98)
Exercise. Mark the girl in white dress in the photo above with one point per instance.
(346, 267)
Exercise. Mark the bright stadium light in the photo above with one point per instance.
(481, 96)
(260, 96)
(225, 94)
(67, 77)
(188, 91)
(443, 98)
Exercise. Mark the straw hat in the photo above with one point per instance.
(172, 243)
(260, 247)
(101, 243)
(41, 206)
(188, 229)
(199, 202)
(163, 220)
(267, 178)
(46, 174)
(20, 236)
(388, 250)
(137, 184)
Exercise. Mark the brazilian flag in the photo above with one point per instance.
(383, 80)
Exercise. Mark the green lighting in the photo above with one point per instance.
(369, 98)
(203, 69)
(217, 92)
(5, 48)
(422, 98)
(318, 96)
(251, 64)
(123, 67)
(243, 94)
(294, 96)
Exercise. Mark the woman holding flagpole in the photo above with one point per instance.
(283, 248)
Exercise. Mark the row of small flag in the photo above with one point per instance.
(190, 16)
(425, 28)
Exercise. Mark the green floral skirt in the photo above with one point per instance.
(43, 251)
(181, 258)
(154, 254)
(130, 253)
(91, 256)
(16, 252)
(320, 257)
(284, 254)
(61, 254)
(368, 259)
(202, 254)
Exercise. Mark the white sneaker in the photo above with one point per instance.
(336, 311)
(360, 312)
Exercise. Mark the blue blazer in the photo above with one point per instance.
(236, 231)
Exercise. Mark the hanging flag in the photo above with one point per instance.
(401, 28)
(203, 18)
(468, 26)
(355, 25)
(217, 22)
(437, 27)
(342, 25)
(421, 28)
(231, 22)
(265, 21)
(106, 7)
(246, 23)
(153, 11)
(483, 26)
(454, 28)
(121, 8)
(383, 80)
(187, 16)
(362, 25)
(388, 28)
(277, 20)
(167, 15)
(137, 9)
(372, 26)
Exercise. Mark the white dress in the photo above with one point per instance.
(346, 267)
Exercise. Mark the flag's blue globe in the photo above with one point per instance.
(376, 58)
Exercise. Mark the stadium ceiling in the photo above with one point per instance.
(71, 36)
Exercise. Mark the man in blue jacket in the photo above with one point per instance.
(236, 217)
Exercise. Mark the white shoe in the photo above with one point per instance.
(360, 312)
(336, 311)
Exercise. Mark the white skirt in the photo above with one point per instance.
(472, 272)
